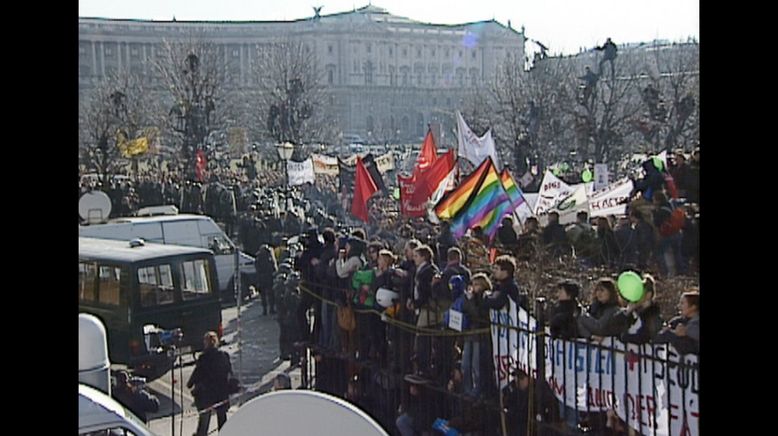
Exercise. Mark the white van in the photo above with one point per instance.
(99, 414)
(183, 229)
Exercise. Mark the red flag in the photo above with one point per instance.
(201, 163)
(407, 188)
(428, 153)
(429, 181)
(364, 187)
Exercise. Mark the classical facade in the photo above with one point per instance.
(389, 76)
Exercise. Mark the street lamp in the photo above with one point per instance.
(285, 151)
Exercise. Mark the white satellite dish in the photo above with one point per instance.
(300, 412)
(94, 206)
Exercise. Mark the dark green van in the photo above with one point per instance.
(133, 286)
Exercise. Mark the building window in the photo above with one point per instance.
(418, 53)
(329, 49)
(433, 52)
(448, 52)
(460, 54)
(390, 51)
(235, 53)
(108, 51)
(369, 73)
(392, 76)
(81, 50)
(369, 47)
(473, 54)
(405, 52)
(330, 77)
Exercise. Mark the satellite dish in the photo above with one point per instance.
(94, 206)
(300, 412)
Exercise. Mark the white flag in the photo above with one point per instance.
(300, 172)
(385, 162)
(552, 189)
(611, 200)
(472, 147)
(323, 164)
(569, 206)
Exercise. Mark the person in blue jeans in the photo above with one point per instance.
(478, 315)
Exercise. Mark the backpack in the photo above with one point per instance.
(674, 224)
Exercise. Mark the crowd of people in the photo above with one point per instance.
(328, 281)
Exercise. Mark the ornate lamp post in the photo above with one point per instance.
(285, 151)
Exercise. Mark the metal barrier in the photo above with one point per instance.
(572, 386)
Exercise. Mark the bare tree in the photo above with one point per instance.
(118, 109)
(291, 102)
(670, 117)
(528, 108)
(603, 110)
(194, 74)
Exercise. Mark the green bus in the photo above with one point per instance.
(142, 292)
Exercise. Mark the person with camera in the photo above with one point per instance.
(130, 391)
(210, 382)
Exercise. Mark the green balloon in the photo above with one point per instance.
(556, 172)
(565, 166)
(587, 176)
(396, 193)
(631, 286)
(658, 163)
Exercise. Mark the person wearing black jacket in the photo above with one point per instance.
(643, 235)
(600, 319)
(307, 263)
(209, 380)
(266, 266)
(506, 235)
(644, 318)
(424, 304)
(505, 285)
(609, 248)
(562, 319)
(453, 267)
(134, 397)
(326, 276)
(554, 236)
(683, 332)
(445, 241)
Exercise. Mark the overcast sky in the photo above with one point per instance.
(562, 25)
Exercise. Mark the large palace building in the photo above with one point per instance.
(389, 76)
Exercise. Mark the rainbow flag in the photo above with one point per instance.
(488, 205)
(512, 189)
(453, 202)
